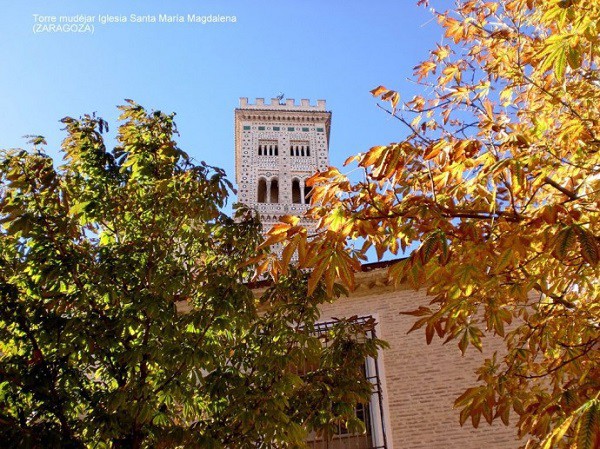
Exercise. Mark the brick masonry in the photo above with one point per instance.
(421, 381)
(276, 144)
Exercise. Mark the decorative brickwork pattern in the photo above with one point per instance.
(277, 147)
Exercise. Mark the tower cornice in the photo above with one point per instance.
(284, 113)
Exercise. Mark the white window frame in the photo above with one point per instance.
(379, 415)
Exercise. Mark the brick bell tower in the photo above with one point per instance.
(278, 146)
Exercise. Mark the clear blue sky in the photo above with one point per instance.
(335, 50)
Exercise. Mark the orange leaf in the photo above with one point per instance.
(378, 91)
(372, 156)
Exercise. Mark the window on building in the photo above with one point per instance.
(371, 414)
(296, 195)
(262, 190)
(299, 148)
(274, 191)
(268, 148)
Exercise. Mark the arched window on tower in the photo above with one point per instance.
(260, 150)
(307, 150)
(274, 191)
(296, 195)
(262, 190)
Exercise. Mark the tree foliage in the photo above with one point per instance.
(97, 256)
(498, 182)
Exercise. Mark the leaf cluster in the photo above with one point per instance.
(127, 320)
(495, 193)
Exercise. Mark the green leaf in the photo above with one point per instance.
(564, 242)
(574, 57)
(78, 208)
(589, 246)
(588, 427)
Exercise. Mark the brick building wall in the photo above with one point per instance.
(420, 381)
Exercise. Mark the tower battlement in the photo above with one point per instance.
(288, 104)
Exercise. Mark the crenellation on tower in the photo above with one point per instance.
(288, 104)
(278, 146)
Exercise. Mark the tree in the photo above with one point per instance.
(498, 183)
(96, 258)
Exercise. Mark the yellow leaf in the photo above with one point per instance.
(356, 157)
(558, 433)
(373, 155)
(434, 150)
(288, 251)
(290, 219)
(316, 276)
